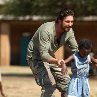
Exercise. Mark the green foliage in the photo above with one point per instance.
(48, 7)
(85, 7)
(18, 7)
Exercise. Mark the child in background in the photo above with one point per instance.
(95, 56)
(79, 85)
(1, 87)
(91, 69)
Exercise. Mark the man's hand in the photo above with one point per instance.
(61, 63)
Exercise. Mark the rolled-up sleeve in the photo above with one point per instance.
(44, 45)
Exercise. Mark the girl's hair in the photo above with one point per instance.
(63, 13)
(85, 43)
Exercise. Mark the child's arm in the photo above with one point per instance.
(63, 70)
(70, 58)
(93, 60)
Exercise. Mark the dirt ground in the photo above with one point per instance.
(18, 82)
(25, 86)
(22, 86)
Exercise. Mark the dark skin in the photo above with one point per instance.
(1, 90)
(95, 56)
(83, 53)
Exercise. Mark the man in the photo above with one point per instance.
(40, 55)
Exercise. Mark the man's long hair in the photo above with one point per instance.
(63, 13)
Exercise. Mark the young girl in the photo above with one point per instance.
(79, 85)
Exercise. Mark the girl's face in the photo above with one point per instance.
(84, 52)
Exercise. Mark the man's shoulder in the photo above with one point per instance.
(70, 32)
(48, 27)
(48, 23)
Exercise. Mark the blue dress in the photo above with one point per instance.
(79, 85)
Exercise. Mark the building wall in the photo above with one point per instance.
(19, 30)
(86, 29)
(22, 31)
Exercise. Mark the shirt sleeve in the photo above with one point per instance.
(44, 45)
(71, 41)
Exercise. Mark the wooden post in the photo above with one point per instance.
(5, 44)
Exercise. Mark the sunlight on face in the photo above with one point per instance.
(67, 23)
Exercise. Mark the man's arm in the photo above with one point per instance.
(44, 46)
(71, 41)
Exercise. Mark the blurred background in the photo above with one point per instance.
(19, 19)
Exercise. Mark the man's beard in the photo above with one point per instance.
(65, 29)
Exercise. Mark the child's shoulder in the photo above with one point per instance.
(76, 54)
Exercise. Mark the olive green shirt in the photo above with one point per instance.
(44, 44)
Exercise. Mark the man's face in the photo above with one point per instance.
(67, 23)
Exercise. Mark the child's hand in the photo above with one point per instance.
(61, 62)
(64, 69)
